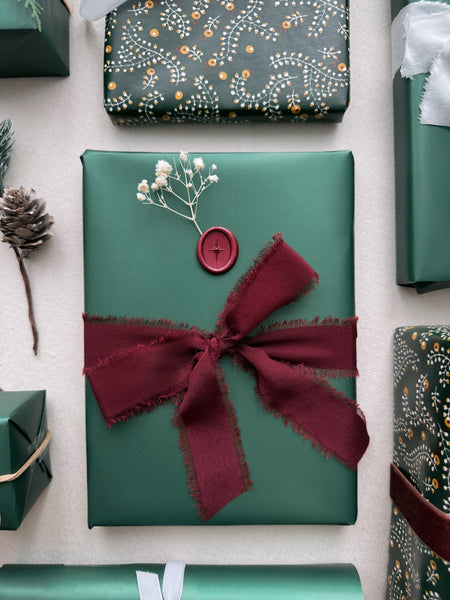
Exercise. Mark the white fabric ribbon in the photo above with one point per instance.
(148, 583)
(96, 9)
(421, 44)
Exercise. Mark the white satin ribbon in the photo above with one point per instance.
(421, 44)
(148, 583)
(96, 9)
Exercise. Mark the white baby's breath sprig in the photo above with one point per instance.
(183, 181)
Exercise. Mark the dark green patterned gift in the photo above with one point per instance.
(223, 60)
(420, 477)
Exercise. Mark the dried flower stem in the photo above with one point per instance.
(187, 179)
(26, 282)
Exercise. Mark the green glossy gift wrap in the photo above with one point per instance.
(32, 47)
(422, 156)
(23, 428)
(422, 454)
(225, 61)
(118, 582)
(141, 262)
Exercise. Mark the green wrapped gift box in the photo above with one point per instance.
(141, 262)
(24, 454)
(422, 456)
(118, 582)
(422, 156)
(33, 46)
(219, 61)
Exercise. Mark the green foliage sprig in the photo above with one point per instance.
(36, 11)
(6, 145)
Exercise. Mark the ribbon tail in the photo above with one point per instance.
(310, 405)
(210, 440)
(434, 106)
(149, 586)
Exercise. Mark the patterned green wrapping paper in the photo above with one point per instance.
(23, 427)
(30, 46)
(219, 60)
(422, 453)
(141, 262)
(118, 582)
(422, 156)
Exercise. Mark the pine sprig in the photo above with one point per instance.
(6, 144)
(36, 11)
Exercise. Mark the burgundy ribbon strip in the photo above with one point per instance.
(429, 523)
(135, 365)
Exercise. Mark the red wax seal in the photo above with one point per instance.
(217, 250)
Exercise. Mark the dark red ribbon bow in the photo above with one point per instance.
(136, 364)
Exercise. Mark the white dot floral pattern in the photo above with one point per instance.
(422, 453)
(204, 60)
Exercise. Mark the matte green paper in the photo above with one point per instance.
(23, 426)
(422, 159)
(141, 262)
(28, 52)
(118, 582)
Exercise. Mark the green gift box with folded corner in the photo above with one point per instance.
(34, 38)
(25, 469)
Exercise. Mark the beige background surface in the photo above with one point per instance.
(55, 120)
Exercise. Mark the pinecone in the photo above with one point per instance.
(23, 221)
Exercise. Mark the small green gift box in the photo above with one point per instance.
(24, 454)
(226, 61)
(34, 38)
(422, 156)
(419, 553)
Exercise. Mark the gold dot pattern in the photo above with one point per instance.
(240, 59)
(422, 411)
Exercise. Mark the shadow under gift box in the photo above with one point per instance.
(118, 582)
(422, 455)
(141, 262)
(23, 427)
(27, 51)
(226, 61)
(422, 158)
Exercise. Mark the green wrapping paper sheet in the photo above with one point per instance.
(27, 51)
(422, 453)
(23, 426)
(141, 262)
(218, 60)
(422, 157)
(118, 582)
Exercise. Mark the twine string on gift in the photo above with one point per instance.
(421, 44)
(150, 589)
(39, 451)
(134, 365)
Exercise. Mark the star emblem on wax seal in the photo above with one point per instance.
(177, 188)
(217, 250)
